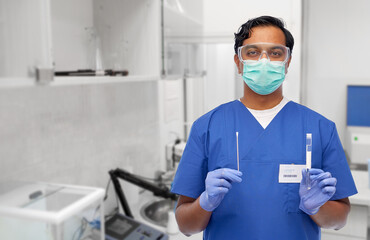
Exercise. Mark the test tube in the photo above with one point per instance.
(308, 159)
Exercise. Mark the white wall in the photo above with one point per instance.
(75, 134)
(335, 55)
(220, 84)
(171, 114)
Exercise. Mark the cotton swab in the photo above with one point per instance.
(237, 148)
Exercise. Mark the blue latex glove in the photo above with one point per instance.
(218, 183)
(322, 189)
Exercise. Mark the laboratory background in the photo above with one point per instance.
(97, 98)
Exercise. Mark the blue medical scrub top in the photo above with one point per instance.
(260, 207)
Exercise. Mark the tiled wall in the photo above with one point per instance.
(75, 134)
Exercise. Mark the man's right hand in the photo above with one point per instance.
(218, 183)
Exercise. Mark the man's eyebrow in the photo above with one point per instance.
(248, 46)
(278, 47)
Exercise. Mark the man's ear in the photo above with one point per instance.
(238, 64)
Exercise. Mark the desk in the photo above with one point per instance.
(357, 223)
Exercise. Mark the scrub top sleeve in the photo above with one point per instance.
(192, 170)
(335, 162)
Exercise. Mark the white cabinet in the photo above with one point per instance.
(24, 37)
(183, 48)
(107, 34)
(183, 19)
(70, 35)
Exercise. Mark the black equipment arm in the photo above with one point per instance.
(155, 189)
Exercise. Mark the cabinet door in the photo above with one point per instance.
(25, 38)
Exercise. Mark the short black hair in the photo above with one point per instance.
(244, 31)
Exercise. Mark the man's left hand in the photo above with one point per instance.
(322, 188)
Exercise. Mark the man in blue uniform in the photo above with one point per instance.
(272, 192)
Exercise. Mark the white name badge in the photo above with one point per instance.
(290, 173)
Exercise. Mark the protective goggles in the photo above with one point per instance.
(255, 51)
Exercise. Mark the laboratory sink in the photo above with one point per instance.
(156, 212)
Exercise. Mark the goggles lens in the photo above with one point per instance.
(256, 51)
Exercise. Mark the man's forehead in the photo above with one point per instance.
(265, 46)
(268, 34)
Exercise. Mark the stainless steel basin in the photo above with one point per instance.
(156, 212)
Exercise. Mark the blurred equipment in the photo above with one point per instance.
(42, 211)
(44, 74)
(90, 72)
(121, 227)
(125, 227)
(358, 124)
(174, 153)
(161, 191)
(157, 211)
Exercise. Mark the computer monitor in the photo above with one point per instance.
(358, 106)
(358, 125)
